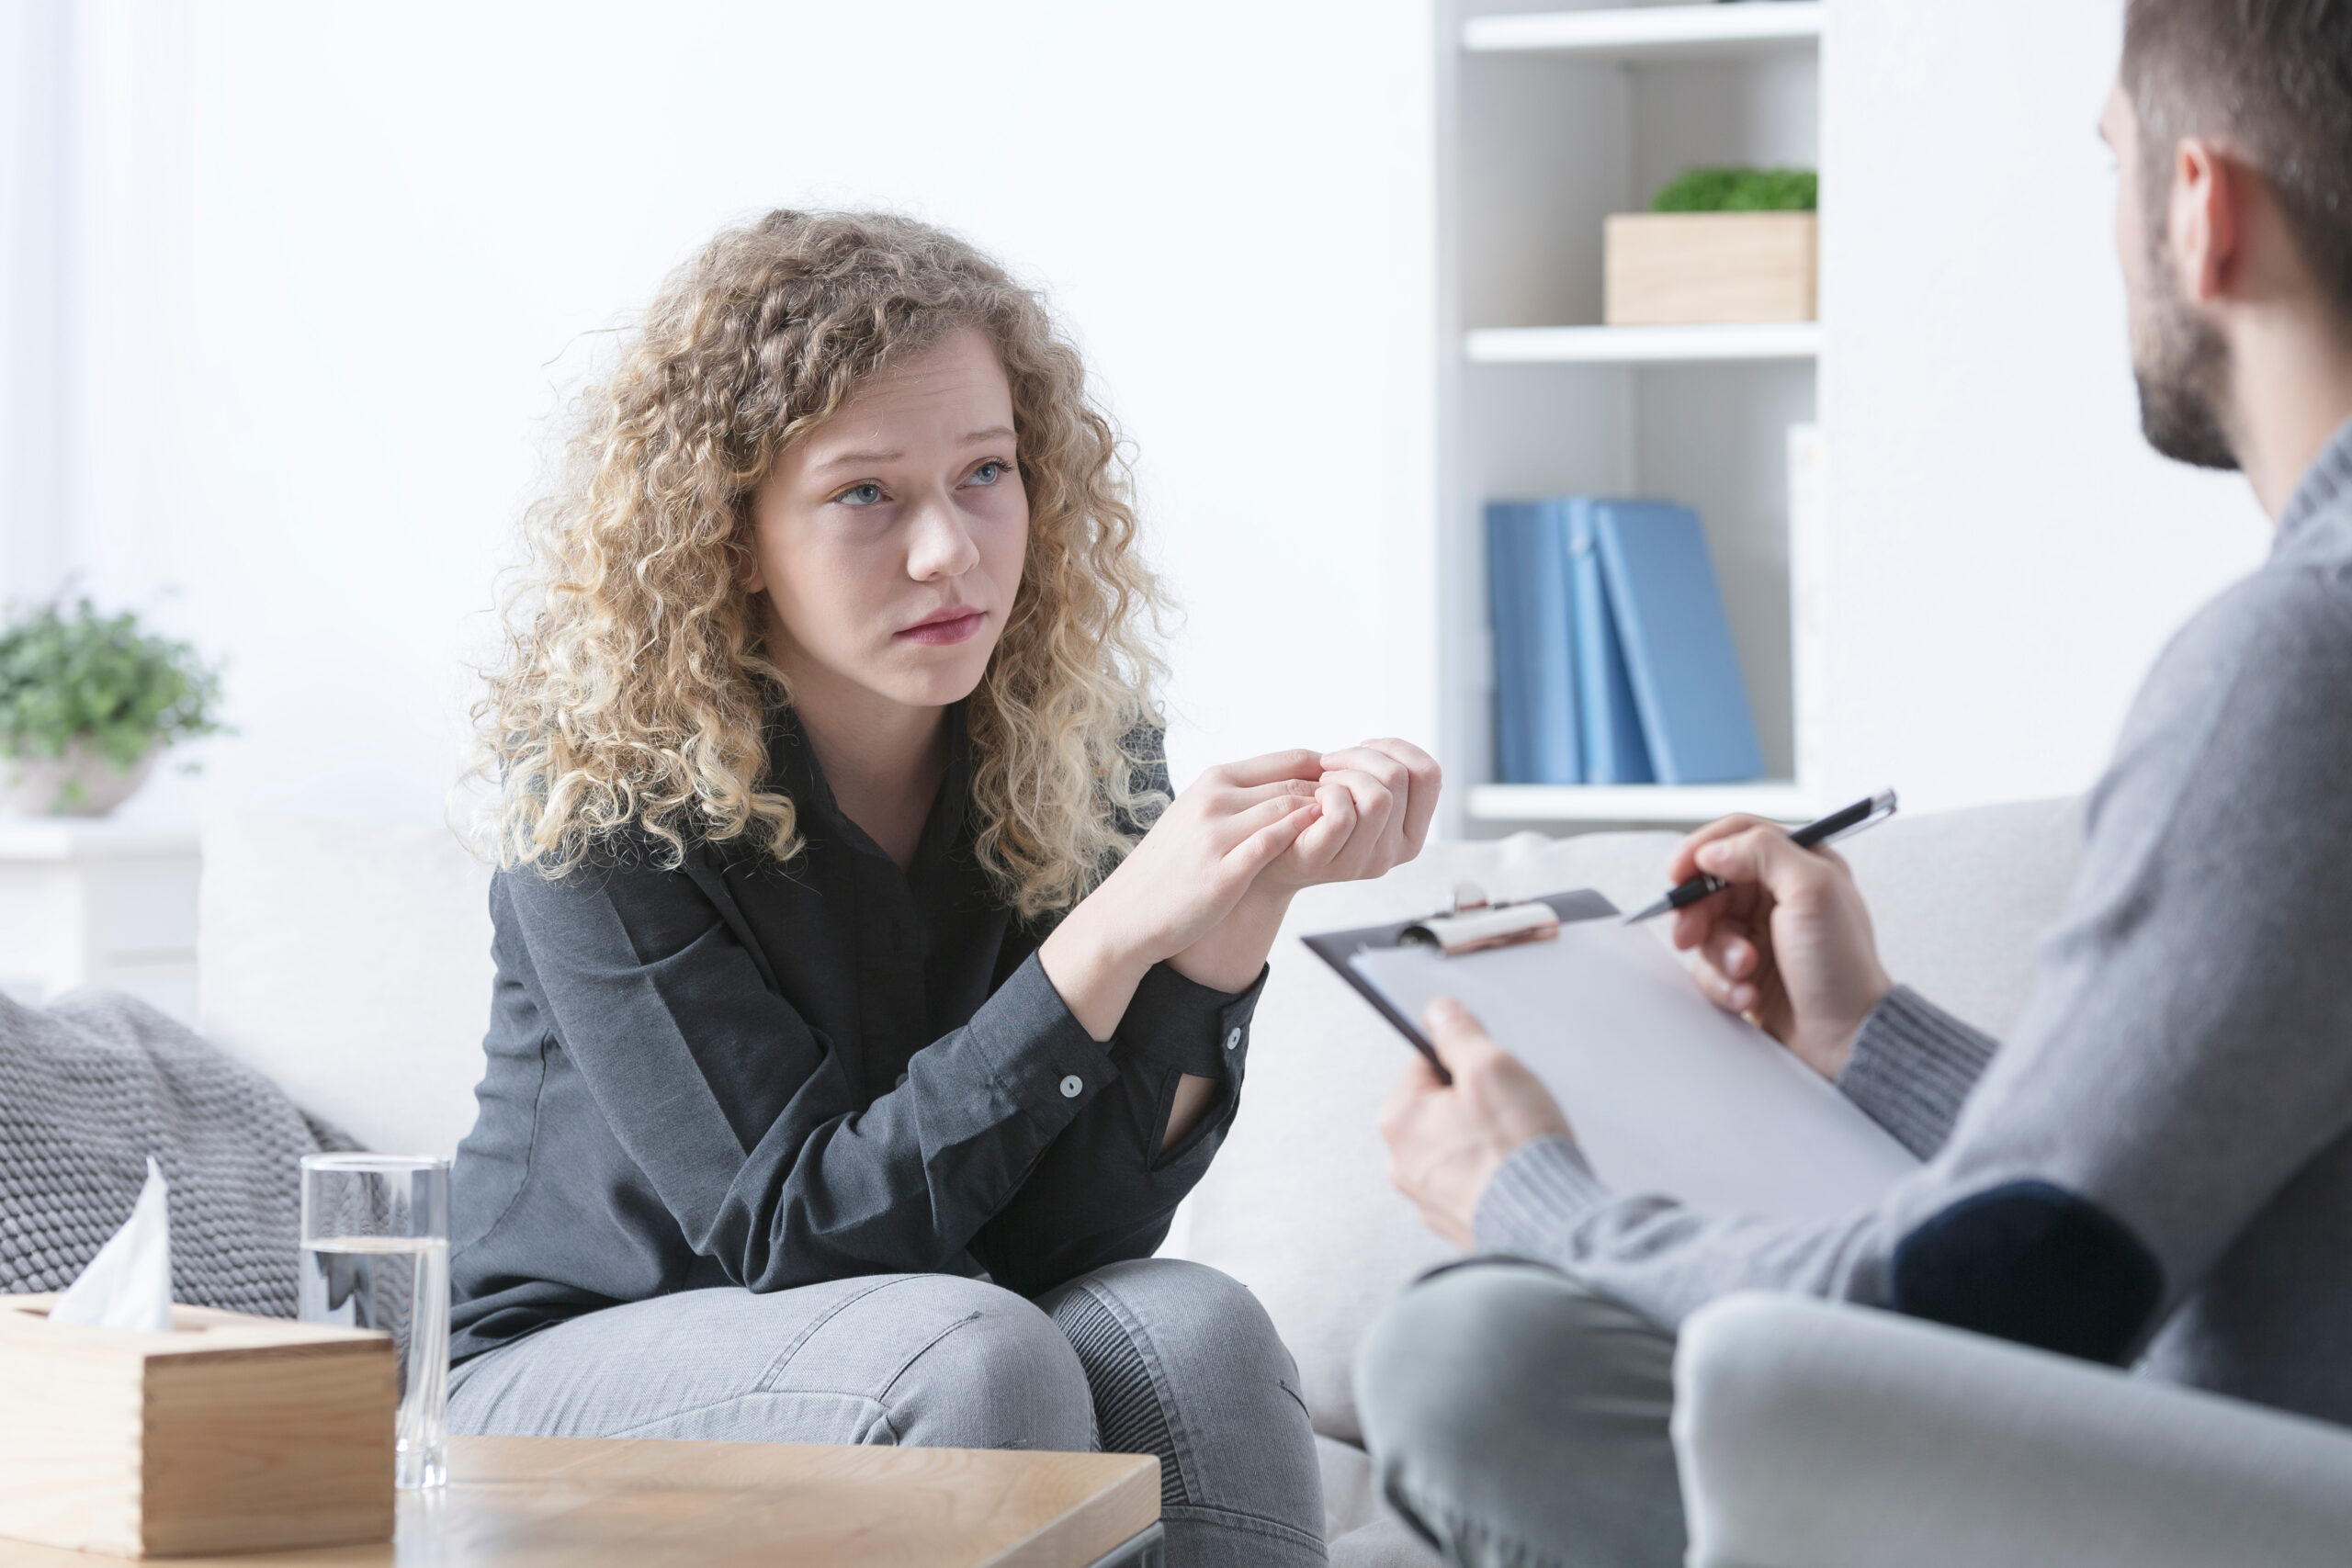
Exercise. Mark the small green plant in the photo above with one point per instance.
(102, 681)
(1740, 190)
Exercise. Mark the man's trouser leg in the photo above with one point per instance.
(1517, 1418)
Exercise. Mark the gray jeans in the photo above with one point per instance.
(1517, 1418)
(1155, 1357)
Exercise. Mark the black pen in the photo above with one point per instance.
(1813, 835)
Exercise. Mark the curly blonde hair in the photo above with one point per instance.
(636, 686)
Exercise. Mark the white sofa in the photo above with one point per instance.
(372, 1016)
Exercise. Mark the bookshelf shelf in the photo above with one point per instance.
(1778, 799)
(1650, 32)
(1640, 345)
(1548, 123)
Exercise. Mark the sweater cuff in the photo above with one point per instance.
(1913, 1067)
(1193, 1028)
(1536, 1194)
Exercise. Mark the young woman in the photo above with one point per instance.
(863, 1005)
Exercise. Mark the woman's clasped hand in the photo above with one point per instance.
(1264, 829)
(1205, 888)
(1377, 800)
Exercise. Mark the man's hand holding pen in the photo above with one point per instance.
(1786, 944)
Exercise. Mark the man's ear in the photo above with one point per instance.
(2206, 190)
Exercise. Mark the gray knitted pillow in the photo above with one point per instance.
(92, 1087)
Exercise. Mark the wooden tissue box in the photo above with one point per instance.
(229, 1434)
(1710, 266)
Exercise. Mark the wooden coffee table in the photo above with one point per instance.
(539, 1502)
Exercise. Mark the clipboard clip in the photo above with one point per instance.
(1473, 923)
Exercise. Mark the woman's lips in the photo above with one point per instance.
(956, 630)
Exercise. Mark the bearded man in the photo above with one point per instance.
(2156, 1169)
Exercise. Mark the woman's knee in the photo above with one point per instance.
(931, 1359)
(998, 1374)
(1185, 1364)
(1194, 1320)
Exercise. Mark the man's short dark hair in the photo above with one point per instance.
(2272, 78)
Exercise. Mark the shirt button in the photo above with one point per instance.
(1233, 1040)
(901, 1083)
(1072, 1087)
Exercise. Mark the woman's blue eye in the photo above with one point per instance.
(860, 495)
(988, 473)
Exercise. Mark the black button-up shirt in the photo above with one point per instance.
(737, 1073)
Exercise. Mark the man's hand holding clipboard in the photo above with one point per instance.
(1710, 1112)
(1447, 1139)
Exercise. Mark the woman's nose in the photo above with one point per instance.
(943, 545)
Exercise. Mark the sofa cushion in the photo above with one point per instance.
(1298, 1207)
(1363, 1531)
(351, 964)
(1958, 899)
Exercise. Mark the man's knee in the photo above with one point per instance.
(1514, 1415)
(998, 1375)
(1463, 1352)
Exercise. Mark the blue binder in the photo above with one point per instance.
(1535, 719)
(1677, 648)
(1514, 741)
(1609, 724)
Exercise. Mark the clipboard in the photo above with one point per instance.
(1666, 1092)
(1339, 948)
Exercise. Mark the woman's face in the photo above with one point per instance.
(889, 540)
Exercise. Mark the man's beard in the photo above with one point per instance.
(2182, 366)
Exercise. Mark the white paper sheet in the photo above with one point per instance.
(1665, 1091)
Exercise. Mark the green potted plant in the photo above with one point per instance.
(88, 703)
(1739, 190)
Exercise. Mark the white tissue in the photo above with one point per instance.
(129, 1284)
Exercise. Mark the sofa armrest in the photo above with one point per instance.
(1816, 1436)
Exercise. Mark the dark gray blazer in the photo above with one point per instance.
(739, 1073)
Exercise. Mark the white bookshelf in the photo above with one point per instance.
(1642, 345)
(1640, 803)
(1650, 32)
(1548, 122)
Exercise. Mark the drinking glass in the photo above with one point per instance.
(376, 1255)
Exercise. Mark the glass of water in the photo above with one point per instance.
(376, 1255)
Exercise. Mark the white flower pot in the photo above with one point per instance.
(80, 784)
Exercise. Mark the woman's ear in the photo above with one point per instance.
(748, 575)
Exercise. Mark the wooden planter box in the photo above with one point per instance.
(1710, 266)
(230, 1434)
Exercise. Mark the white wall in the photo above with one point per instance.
(333, 264)
(36, 219)
(2008, 555)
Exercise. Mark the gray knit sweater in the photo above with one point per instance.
(2157, 1165)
